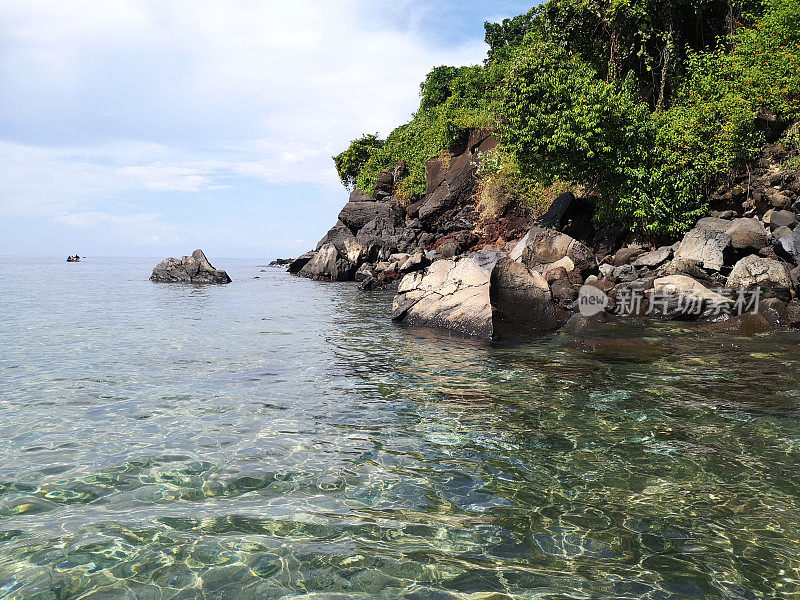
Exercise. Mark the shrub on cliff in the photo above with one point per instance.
(648, 103)
(351, 162)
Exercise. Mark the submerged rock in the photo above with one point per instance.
(746, 324)
(627, 349)
(189, 269)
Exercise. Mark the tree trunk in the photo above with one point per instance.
(614, 59)
(667, 54)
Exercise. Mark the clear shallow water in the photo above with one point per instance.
(280, 438)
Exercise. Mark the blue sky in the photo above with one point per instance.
(151, 128)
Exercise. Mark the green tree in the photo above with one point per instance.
(350, 162)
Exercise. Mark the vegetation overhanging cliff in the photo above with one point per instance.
(648, 105)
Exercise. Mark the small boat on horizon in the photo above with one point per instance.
(75, 258)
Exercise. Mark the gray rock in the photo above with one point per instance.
(606, 270)
(580, 325)
(775, 311)
(747, 234)
(339, 235)
(707, 247)
(680, 296)
(301, 261)
(714, 224)
(437, 202)
(565, 263)
(654, 259)
(479, 294)
(625, 255)
(328, 263)
(746, 324)
(189, 269)
(364, 272)
(546, 246)
(355, 215)
(778, 199)
(793, 314)
(521, 302)
(452, 294)
(360, 196)
(782, 218)
(281, 262)
(414, 263)
(399, 257)
(564, 292)
(781, 232)
(769, 275)
(788, 247)
(624, 273)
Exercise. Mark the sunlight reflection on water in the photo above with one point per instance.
(280, 438)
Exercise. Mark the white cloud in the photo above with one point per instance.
(159, 177)
(117, 97)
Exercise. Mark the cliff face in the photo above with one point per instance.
(499, 273)
(378, 238)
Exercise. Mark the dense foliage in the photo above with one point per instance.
(351, 162)
(648, 103)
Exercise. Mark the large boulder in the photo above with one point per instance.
(782, 218)
(360, 196)
(442, 198)
(384, 185)
(682, 284)
(301, 261)
(189, 269)
(706, 247)
(714, 224)
(559, 211)
(770, 276)
(682, 297)
(328, 263)
(654, 259)
(542, 247)
(480, 294)
(452, 294)
(355, 215)
(521, 301)
(788, 247)
(748, 234)
(339, 235)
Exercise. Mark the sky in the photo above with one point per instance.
(154, 127)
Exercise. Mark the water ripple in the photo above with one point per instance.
(280, 438)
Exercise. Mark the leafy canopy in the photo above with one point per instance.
(649, 103)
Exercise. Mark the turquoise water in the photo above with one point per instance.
(281, 438)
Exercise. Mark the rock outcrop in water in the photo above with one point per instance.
(512, 276)
(189, 269)
(482, 294)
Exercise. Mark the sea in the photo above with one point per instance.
(280, 438)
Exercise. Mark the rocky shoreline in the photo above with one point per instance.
(496, 273)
